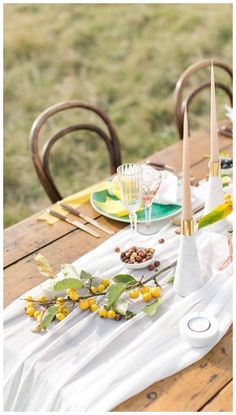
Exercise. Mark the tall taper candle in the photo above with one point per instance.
(214, 133)
(187, 206)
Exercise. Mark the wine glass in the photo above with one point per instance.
(130, 179)
(151, 180)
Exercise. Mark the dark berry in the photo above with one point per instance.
(151, 267)
(161, 241)
(157, 263)
(117, 249)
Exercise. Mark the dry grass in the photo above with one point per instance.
(123, 58)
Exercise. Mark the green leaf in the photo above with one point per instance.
(219, 213)
(69, 271)
(129, 314)
(68, 283)
(125, 279)
(44, 266)
(171, 280)
(46, 319)
(151, 309)
(113, 293)
(85, 276)
(121, 306)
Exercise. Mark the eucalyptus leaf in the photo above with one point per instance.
(121, 306)
(127, 279)
(171, 280)
(46, 319)
(113, 293)
(151, 309)
(68, 283)
(44, 266)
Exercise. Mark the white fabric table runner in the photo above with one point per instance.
(85, 363)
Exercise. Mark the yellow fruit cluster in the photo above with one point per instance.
(147, 293)
(31, 311)
(101, 287)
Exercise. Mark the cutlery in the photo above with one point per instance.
(76, 223)
(86, 218)
(160, 166)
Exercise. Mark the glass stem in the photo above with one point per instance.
(148, 214)
(133, 223)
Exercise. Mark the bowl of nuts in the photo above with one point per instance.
(137, 257)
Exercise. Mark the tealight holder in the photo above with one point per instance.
(199, 329)
(215, 195)
(188, 275)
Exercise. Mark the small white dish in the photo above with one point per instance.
(199, 329)
(139, 265)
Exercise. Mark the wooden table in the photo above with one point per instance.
(205, 385)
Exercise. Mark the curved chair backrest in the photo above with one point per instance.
(181, 103)
(41, 164)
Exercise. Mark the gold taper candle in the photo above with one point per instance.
(214, 134)
(187, 206)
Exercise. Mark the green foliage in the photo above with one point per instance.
(85, 276)
(113, 293)
(44, 266)
(126, 279)
(151, 309)
(219, 213)
(67, 283)
(46, 319)
(124, 58)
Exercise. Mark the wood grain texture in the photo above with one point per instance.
(222, 401)
(204, 386)
(189, 389)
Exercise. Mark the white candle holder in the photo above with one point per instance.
(188, 275)
(215, 196)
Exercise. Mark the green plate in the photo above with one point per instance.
(159, 212)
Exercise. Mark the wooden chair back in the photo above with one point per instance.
(41, 164)
(181, 103)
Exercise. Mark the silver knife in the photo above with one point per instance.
(86, 218)
(76, 223)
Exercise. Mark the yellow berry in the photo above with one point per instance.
(111, 314)
(102, 313)
(147, 296)
(156, 292)
(105, 282)
(134, 294)
(101, 288)
(42, 299)
(65, 311)
(83, 304)
(145, 289)
(94, 290)
(29, 298)
(94, 307)
(61, 299)
(69, 290)
(74, 296)
(36, 314)
(91, 301)
(60, 316)
(227, 196)
(30, 311)
(29, 305)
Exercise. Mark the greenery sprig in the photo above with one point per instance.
(81, 291)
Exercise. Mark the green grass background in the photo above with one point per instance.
(125, 59)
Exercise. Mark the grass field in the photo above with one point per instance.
(125, 59)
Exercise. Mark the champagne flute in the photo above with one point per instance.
(130, 179)
(151, 180)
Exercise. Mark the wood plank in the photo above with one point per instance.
(30, 234)
(222, 401)
(190, 389)
(23, 275)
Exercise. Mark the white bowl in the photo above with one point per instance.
(139, 265)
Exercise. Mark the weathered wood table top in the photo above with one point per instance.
(203, 386)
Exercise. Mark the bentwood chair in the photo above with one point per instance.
(41, 164)
(182, 102)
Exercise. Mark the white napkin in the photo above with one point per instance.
(85, 363)
(168, 191)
